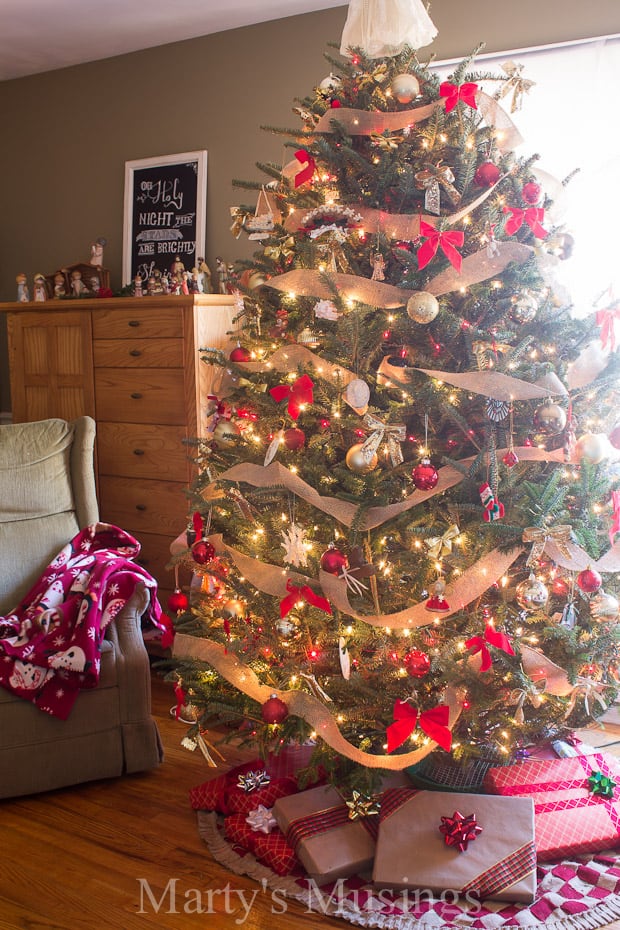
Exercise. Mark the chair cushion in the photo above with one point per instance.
(37, 514)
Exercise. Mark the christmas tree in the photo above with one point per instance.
(405, 516)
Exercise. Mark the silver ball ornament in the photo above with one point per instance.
(549, 419)
(405, 88)
(524, 308)
(422, 307)
(531, 594)
(226, 433)
(358, 463)
(330, 84)
(592, 448)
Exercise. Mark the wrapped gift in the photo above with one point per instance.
(269, 848)
(241, 790)
(576, 801)
(331, 839)
(239, 833)
(472, 844)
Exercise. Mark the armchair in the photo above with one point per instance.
(47, 495)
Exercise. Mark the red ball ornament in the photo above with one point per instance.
(274, 710)
(203, 551)
(487, 174)
(335, 104)
(294, 438)
(614, 437)
(425, 476)
(417, 663)
(333, 561)
(531, 192)
(589, 581)
(178, 602)
(239, 354)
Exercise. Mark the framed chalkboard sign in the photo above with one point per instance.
(165, 211)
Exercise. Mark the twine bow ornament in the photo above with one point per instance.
(560, 535)
(439, 546)
(533, 694)
(433, 179)
(516, 83)
(591, 690)
(393, 435)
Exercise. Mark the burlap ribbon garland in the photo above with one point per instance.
(490, 384)
(300, 703)
(480, 266)
(368, 123)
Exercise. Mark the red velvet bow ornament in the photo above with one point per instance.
(179, 694)
(615, 527)
(449, 241)
(455, 92)
(533, 216)
(308, 165)
(494, 638)
(433, 722)
(459, 830)
(302, 592)
(300, 392)
(607, 320)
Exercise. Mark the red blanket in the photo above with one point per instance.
(50, 645)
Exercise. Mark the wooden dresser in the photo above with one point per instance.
(133, 364)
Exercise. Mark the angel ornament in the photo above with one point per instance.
(378, 267)
(382, 28)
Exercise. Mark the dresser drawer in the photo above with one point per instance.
(144, 395)
(138, 353)
(143, 506)
(143, 451)
(151, 323)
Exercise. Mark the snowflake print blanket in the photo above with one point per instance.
(50, 645)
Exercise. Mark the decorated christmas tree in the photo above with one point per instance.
(404, 521)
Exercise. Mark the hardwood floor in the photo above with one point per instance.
(85, 858)
(102, 855)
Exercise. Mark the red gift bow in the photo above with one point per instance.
(615, 527)
(607, 319)
(304, 158)
(302, 592)
(459, 830)
(533, 216)
(433, 722)
(494, 638)
(447, 240)
(455, 92)
(300, 392)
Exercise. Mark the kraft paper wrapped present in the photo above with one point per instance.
(576, 810)
(329, 845)
(498, 861)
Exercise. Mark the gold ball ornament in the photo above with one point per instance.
(593, 448)
(604, 607)
(358, 463)
(549, 419)
(532, 594)
(422, 307)
(226, 433)
(233, 609)
(405, 88)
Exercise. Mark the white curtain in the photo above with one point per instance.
(571, 119)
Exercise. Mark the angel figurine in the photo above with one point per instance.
(96, 251)
(378, 267)
(23, 292)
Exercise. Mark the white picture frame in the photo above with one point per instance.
(165, 207)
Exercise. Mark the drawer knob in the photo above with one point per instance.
(136, 395)
(140, 506)
(133, 322)
(138, 451)
(136, 353)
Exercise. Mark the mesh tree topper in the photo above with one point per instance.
(439, 195)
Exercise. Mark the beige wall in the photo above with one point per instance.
(67, 134)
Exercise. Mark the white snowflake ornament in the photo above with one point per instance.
(294, 545)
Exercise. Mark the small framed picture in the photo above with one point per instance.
(165, 213)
